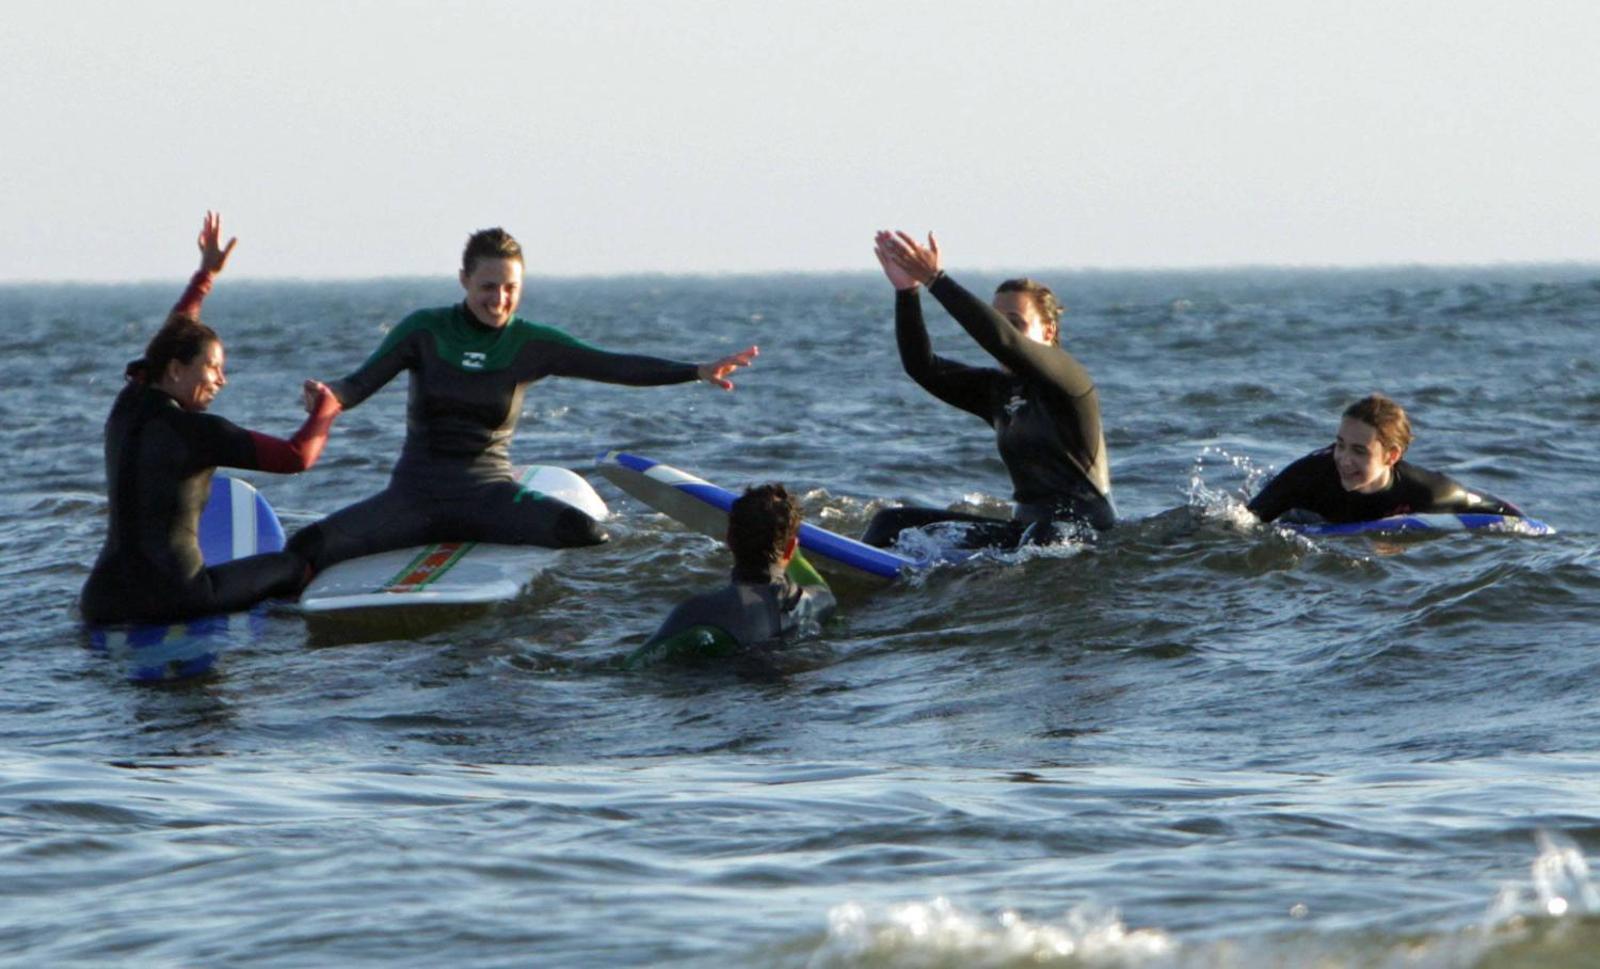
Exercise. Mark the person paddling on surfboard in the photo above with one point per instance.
(775, 594)
(161, 449)
(1041, 402)
(470, 364)
(1361, 477)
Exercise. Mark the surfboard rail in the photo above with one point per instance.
(703, 507)
(1425, 523)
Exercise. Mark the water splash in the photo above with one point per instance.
(1559, 885)
(1223, 502)
(937, 933)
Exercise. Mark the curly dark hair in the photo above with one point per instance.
(760, 525)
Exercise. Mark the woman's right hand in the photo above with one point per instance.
(319, 400)
(214, 255)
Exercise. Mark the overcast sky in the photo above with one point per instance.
(357, 139)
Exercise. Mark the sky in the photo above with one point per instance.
(363, 139)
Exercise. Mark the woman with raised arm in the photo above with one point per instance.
(470, 364)
(1040, 400)
(161, 448)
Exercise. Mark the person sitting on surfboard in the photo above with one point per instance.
(470, 364)
(161, 449)
(775, 594)
(1041, 402)
(1361, 477)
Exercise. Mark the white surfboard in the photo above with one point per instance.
(236, 521)
(446, 576)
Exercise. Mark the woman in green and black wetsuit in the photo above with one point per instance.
(1041, 401)
(470, 364)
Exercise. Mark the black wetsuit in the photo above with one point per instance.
(1045, 413)
(454, 480)
(1310, 486)
(159, 462)
(750, 611)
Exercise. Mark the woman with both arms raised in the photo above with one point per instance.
(470, 364)
(1041, 402)
(161, 449)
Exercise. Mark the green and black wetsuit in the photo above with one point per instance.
(454, 479)
(1043, 407)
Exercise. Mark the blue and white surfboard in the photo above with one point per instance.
(702, 506)
(236, 521)
(1500, 524)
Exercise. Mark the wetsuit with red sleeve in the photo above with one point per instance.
(159, 462)
(1043, 407)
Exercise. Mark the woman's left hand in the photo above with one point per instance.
(717, 371)
(213, 254)
(921, 263)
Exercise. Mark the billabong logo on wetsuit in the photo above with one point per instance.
(1015, 404)
(473, 360)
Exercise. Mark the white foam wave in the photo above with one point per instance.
(937, 933)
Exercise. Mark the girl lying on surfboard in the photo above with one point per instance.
(470, 364)
(1361, 477)
(1040, 401)
(161, 449)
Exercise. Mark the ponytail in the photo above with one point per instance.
(181, 338)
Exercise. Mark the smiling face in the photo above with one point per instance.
(194, 385)
(1023, 312)
(1363, 461)
(494, 288)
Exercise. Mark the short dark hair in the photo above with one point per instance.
(495, 243)
(760, 524)
(181, 338)
(1386, 417)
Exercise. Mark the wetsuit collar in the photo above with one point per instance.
(465, 312)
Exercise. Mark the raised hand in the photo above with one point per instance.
(214, 255)
(898, 278)
(919, 262)
(717, 371)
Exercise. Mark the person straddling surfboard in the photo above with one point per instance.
(1361, 477)
(1041, 402)
(161, 449)
(775, 595)
(470, 364)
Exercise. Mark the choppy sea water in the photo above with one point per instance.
(1195, 742)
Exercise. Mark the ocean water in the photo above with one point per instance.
(1195, 742)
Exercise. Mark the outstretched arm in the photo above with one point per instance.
(300, 452)
(213, 257)
(716, 372)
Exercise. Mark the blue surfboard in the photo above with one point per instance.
(1498, 524)
(702, 506)
(236, 521)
